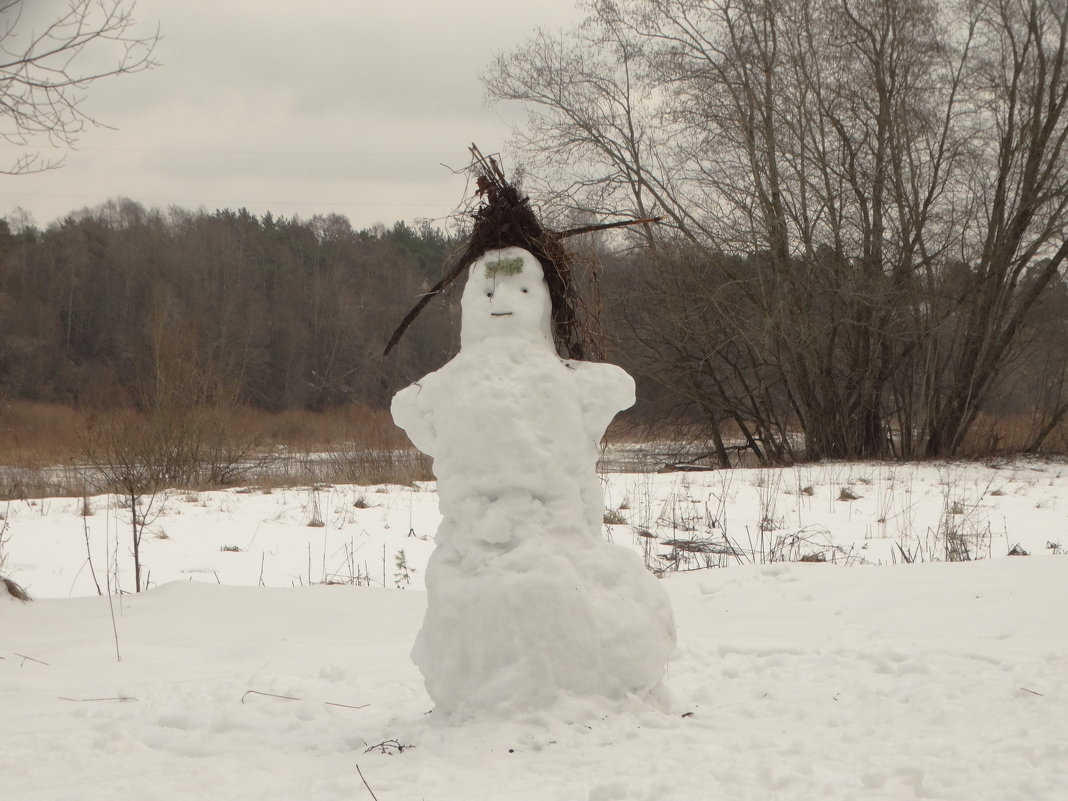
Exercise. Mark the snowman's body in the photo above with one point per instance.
(526, 601)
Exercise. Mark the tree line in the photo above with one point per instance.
(125, 306)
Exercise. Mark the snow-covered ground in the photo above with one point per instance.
(867, 678)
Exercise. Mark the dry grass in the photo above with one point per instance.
(42, 449)
(625, 428)
(38, 434)
(1005, 434)
(42, 446)
(34, 434)
(991, 435)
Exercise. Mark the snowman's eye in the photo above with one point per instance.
(489, 294)
(524, 290)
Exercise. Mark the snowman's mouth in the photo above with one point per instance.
(500, 314)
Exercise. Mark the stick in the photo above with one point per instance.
(292, 698)
(89, 554)
(88, 700)
(465, 261)
(23, 657)
(387, 744)
(107, 579)
(365, 784)
(271, 695)
(586, 229)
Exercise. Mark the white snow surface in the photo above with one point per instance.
(526, 599)
(856, 680)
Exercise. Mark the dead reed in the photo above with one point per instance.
(43, 450)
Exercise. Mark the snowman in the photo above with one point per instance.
(527, 603)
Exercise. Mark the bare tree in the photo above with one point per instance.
(593, 116)
(877, 186)
(180, 432)
(1020, 92)
(47, 63)
(131, 455)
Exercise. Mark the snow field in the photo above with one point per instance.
(860, 513)
(804, 681)
(873, 681)
(1020, 502)
(245, 536)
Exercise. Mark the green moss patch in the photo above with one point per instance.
(504, 267)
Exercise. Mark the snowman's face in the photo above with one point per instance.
(506, 297)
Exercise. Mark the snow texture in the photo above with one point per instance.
(793, 682)
(799, 682)
(526, 600)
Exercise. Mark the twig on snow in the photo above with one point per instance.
(365, 784)
(23, 657)
(386, 746)
(88, 700)
(89, 555)
(293, 698)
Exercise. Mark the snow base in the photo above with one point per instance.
(543, 622)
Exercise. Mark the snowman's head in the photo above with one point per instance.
(506, 298)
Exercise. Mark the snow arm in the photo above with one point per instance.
(412, 411)
(606, 391)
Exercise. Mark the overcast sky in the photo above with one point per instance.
(298, 108)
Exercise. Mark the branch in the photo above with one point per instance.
(293, 698)
(365, 784)
(605, 226)
(42, 83)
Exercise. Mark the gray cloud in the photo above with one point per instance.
(249, 92)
